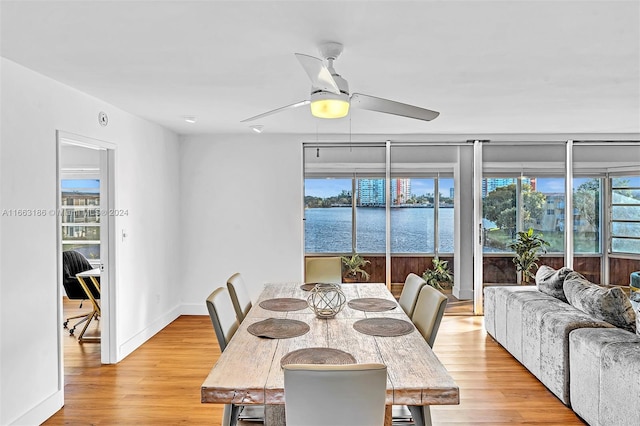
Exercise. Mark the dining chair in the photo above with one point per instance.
(239, 296)
(410, 291)
(225, 325)
(323, 270)
(337, 395)
(428, 313)
(223, 316)
(427, 316)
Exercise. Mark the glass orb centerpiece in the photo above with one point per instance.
(326, 300)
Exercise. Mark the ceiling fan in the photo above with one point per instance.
(330, 92)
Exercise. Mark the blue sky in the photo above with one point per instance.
(331, 187)
(86, 185)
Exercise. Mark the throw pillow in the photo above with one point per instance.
(550, 281)
(606, 304)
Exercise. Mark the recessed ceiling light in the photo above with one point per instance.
(257, 128)
(189, 118)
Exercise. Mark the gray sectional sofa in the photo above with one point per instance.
(576, 337)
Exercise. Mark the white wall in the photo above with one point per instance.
(147, 281)
(241, 199)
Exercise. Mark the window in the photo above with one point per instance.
(537, 204)
(81, 216)
(446, 219)
(328, 215)
(370, 215)
(327, 226)
(625, 215)
(587, 217)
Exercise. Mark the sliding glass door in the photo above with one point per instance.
(345, 203)
(394, 204)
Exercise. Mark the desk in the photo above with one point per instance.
(92, 274)
(249, 372)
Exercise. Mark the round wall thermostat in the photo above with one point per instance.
(103, 119)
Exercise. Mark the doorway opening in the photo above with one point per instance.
(85, 194)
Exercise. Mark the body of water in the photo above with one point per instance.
(328, 230)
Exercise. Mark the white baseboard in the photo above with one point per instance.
(136, 341)
(194, 309)
(41, 412)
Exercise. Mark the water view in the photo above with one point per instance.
(328, 230)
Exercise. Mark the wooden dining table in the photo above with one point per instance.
(249, 370)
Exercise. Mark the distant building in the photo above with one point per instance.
(400, 191)
(553, 215)
(371, 192)
(491, 184)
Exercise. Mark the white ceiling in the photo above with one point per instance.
(487, 66)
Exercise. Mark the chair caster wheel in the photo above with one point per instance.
(72, 331)
(65, 324)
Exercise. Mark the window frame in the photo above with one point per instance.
(611, 236)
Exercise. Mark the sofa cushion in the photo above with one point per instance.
(554, 348)
(533, 314)
(514, 317)
(551, 281)
(610, 305)
(620, 384)
(586, 346)
(495, 309)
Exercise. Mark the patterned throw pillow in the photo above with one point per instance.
(606, 304)
(550, 281)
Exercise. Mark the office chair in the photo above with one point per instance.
(336, 395)
(239, 296)
(410, 291)
(225, 323)
(323, 270)
(73, 263)
(426, 317)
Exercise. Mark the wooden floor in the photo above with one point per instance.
(159, 384)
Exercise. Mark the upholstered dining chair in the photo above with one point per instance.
(427, 316)
(337, 395)
(239, 296)
(410, 291)
(223, 316)
(225, 325)
(428, 313)
(323, 270)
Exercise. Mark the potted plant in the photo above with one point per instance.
(353, 266)
(528, 246)
(440, 277)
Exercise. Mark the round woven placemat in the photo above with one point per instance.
(278, 328)
(308, 286)
(284, 304)
(385, 327)
(372, 304)
(318, 356)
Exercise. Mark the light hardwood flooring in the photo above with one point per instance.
(159, 384)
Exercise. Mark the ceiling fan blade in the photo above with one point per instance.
(264, 114)
(318, 73)
(358, 100)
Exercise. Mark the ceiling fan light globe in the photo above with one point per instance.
(329, 105)
(330, 108)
